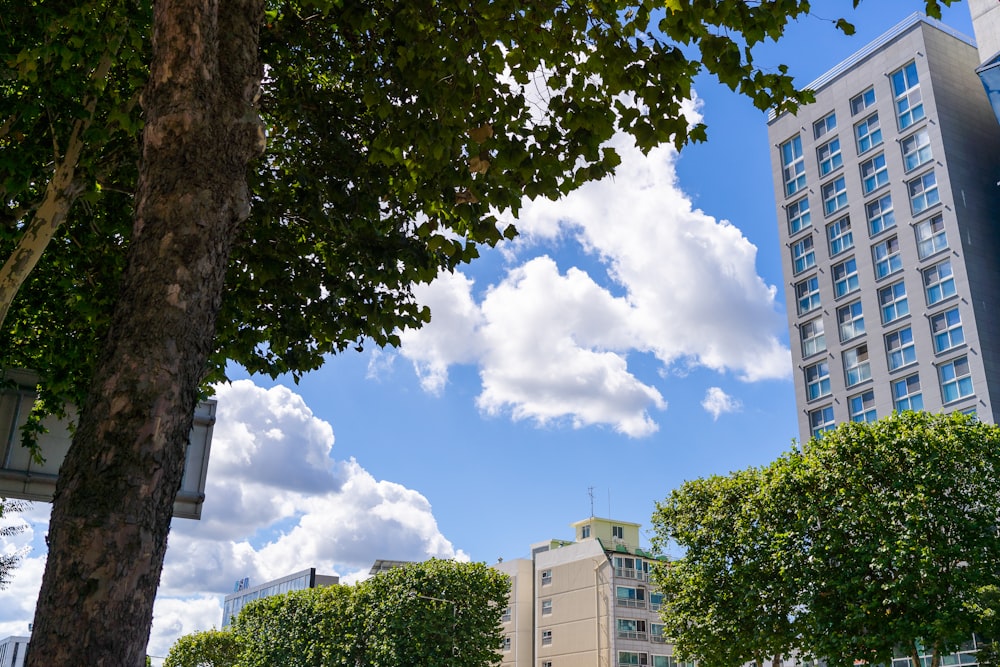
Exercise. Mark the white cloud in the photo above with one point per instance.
(717, 402)
(553, 346)
(276, 502)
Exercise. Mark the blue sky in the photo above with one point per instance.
(633, 337)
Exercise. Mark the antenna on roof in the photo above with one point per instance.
(590, 492)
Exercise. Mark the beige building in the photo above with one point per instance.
(584, 603)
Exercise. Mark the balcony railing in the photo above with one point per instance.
(657, 639)
(629, 573)
(631, 603)
(627, 634)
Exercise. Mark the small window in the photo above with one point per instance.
(868, 133)
(546, 637)
(893, 303)
(546, 607)
(824, 125)
(829, 157)
(803, 256)
(834, 195)
(863, 101)
(956, 380)
(899, 349)
(931, 236)
(906, 93)
(813, 339)
(845, 277)
(923, 192)
(857, 367)
(939, 282)
(839, 235)
(880, 215)
(546, 577)
(817, 380)
(546, 663)
(618, 532)
(916, 150)
(906, 394)
(946, 328)
(821, 421)
(585, 532)
(798, 216)
(505, 644)
(793, 165)
(874, 173)
(887, 259)
(505, 617)
(851, 321)
(862, 407)
(807, 295)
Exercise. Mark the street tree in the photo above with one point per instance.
(9, 560)
(399, 132)
(874, 539)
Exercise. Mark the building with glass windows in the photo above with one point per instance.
(887, 201)
(12, 651)
(243, 593)
(585, 602)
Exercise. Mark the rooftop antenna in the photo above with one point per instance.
(590, 492)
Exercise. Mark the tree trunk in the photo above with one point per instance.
(117, 486)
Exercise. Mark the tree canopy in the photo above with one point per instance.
(874, 539)
(421, 614)
(9, 560)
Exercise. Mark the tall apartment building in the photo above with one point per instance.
(585, 603)
(889, 210)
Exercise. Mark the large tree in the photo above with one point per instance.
(873, 539)
(396, 131)
(9, 560)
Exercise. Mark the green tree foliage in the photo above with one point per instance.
(872, 539)
(209, 648)
(9, 561)
(419, 615)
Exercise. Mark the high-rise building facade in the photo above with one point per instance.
(243, 593)
(585, 603)
(889, 214)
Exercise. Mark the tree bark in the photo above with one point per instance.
(114, 499)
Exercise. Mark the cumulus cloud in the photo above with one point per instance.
(553, 345)
(276, 502)
(717, 402)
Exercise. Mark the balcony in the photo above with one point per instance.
(626, 634)
(631, 603)
(658, 639)
(629, 573)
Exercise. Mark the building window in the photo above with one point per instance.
(839, 235)
(863, 101)
(585, 532)
(546, 637)
(834, 195)
(813, 340)
(505, 644)
(803, 255)
(824, 125)
(923, 192)
(851, 321)
(634, 598)
(906, 394)
(546, 607)
(892, 301)
(916, 150)
(946, 328)
(899, 348)
(505, 618)
(631, 629)
(817, 380)
(798, 216)
(874, 173)
(956, 380)
(807, 295)
(546, 663)
(618, 532)
(906, 92)
(886, 256)
(862, 407)
(880, 215)
(868, 133)
(655, 601)
(628, 658)
(931, 236)
(656, 633)
(546, 577)
(829, 157)
(939, 282)
(821, 421)
(845, 277)
(793, 165)
(857, 368)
